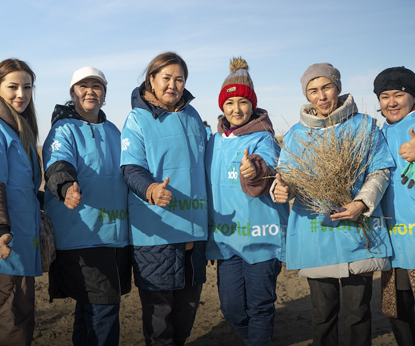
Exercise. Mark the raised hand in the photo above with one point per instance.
(282, 190)
(247, 169)
(407, 149)
(73, 196)
(160, 195)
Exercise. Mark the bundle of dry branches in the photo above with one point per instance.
(323, 167)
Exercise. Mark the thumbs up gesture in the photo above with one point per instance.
(282, 190)
(407, 149)
(73, 196)
(160, 195)
(247, 168)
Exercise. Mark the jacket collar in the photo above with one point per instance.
(137, 101)
(347, 107)
(64, 112)
(261, 123)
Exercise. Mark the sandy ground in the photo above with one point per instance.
(292, 318)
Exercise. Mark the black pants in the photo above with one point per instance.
(168, 316)
(17, 309)
(325, 297)
(403, 327)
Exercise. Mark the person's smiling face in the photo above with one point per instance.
(16, 90)
(396, 105)
(237, 110)
(168, 85)
(88, 95)
(323, 95)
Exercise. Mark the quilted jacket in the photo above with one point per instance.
(162, 267)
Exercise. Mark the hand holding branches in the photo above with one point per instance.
(353, 211)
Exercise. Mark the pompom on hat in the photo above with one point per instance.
(88, 72)
(321, 70)
(395, 78)
(238, 83)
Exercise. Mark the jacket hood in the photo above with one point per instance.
(138, 102)
(262, 123)
(64, 112)
(347, 107)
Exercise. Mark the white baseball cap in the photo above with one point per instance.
(87, 72)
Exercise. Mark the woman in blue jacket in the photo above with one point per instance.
(20, 178)
(246, 229)
(86, 201)
(395, 89)
(163, 148)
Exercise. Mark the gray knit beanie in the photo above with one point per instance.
(321, 70)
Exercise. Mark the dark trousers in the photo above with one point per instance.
(17, 310)
(247, 297)
(168, 316)
(96, 325)
(356, 291)
(403, 327)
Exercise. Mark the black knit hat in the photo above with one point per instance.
(395, 78)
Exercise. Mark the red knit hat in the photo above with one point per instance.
(238, 84)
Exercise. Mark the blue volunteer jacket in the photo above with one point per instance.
(173, 145)
(399, 202)
(252, 228)
(22, 180)
(101, 219)
(309, 244)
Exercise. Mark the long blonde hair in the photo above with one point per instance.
(26, 121)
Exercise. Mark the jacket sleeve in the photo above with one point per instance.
(261, 184)
(59, 177)
(138, 179)
(5, 225)
(373, 189)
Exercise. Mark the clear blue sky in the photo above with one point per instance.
(279, 40)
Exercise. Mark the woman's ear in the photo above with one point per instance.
(151, 82)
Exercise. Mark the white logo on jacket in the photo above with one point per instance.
(125, 143)
(54, 146)
(233, 174)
